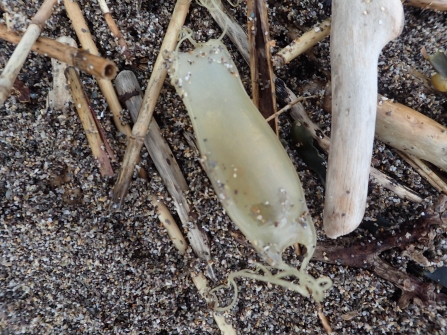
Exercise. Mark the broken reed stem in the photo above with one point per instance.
(428, 4)
(85, 37)
(203, 288)
(18, 57)
(425, 171)
(88, 122)
(83, 60)
(288, 106)
(302, 44)
(168, 222)
(140, 128)
(114, 29)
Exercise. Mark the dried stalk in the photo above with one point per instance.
(323, 141)
(135, 141)
(428, 4)
(302, 44)
(168, 222)
(59, 96)
(85, 61)
(85, 37)
(262, 84)
(114, 29)
(425, 172)
(203, 288)
(88, 122)
(18, 57)
(288, 106)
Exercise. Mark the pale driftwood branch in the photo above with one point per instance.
(88, 122)
(18, 57)
(140, 128)
(425, 171)
(354, 58)
(302, 44)
(130, 94)
(428, 4)
(83, 60)
(85, 38)
(114, 29)
(59, 97)
(411, 132)
(203, 288)
(286, 95)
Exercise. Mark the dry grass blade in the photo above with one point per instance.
(88, 122)
(115, 31)
(15, 63)
(83, 60)
(148, 106)
(302, 44)
(84, 36)
(425, 171)
(263, 87)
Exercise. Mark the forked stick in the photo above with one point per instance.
(148, 106)
(22, 50)
(354, 58)
(83, 60)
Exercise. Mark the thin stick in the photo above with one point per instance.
(302, 44)
(148, 106)
(168, 222)
(115, 31)
(425, 172)
(88, 122)
(323, 141)
(85, 37)
(18, 57)
(428, 4)
(202, 285)
(83, 60)
(288, 106)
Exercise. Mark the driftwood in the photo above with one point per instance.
(261, 70)
(428, 4)
(365, 253)
(354, 58)
(88, 121)
(139, 130)
(18, 57)
(83, 60)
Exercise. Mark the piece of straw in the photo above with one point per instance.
(140, 128)
(428, 4)
(203, 288)
(302, 44)
(88, 122)
(83, 60)
(115, 31)
(15, 63)
(85, 37)
(425, 171)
